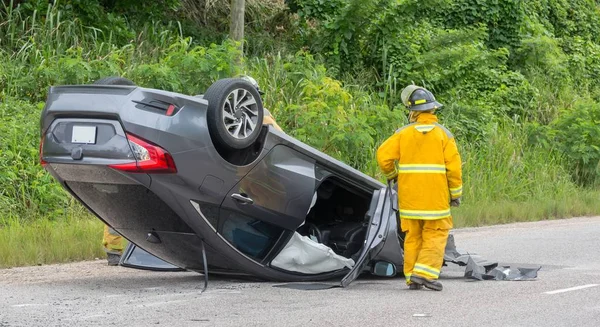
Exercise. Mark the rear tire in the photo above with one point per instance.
(235, 113)
(114, 80)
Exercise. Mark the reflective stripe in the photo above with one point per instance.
(425, 274)
(456, 189)
(456, 192)
(426, 270)
(423, 168)
(448, 133)
(404, 127)
(420, 101)
(424, 214)
(407, 276)
(424, 128)
(422, 165)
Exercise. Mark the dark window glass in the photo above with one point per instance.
(251, 236)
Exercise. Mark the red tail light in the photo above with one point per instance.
(150, 158)
(42, 162)
(170, 110)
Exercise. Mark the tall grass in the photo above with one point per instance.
(480, 213)
(506, 168)
(507, 180)
(27, 193)
(45, 241)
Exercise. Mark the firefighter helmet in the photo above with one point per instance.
(417, 98)
(252, 81)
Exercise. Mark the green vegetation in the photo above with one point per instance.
(45, 241)
(520, 81)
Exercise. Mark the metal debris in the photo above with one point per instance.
(478, 268)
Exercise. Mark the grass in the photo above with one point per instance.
(44, 241)
(582, 203)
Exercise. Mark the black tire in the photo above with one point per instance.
(114, 80)
(225, 120)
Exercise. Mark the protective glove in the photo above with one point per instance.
(455, 202)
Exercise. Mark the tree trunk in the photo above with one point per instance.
(236, 29)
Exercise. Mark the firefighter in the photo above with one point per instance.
(113, 245)
(423, 158)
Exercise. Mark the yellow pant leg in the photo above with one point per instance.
(112, 241)
(268, 120)
(412, 244)
(431, 257)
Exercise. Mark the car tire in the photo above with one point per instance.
(114, 80)
(234, 123)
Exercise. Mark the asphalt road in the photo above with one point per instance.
(566, 293)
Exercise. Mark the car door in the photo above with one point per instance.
(377, 234)
(273, 198)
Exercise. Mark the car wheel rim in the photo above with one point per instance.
(240, 114)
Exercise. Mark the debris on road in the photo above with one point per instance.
(479, 268)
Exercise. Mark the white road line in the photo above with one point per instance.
(158, 304)
(29, 305)
(576, 288)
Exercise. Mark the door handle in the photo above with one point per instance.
(242, 199)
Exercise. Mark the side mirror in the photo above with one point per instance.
(384, 269)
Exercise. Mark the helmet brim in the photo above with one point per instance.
(426, 106)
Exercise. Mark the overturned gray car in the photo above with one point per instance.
(200, 183)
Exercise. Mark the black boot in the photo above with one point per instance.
(429, 283)
(415, 286)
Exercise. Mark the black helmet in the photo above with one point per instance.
(417, 98)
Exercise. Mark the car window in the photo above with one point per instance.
(135, 257)
(251, 236)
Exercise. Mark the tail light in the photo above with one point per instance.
(42, 162)
(150, 158)
(170, 110)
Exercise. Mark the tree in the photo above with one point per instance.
(236, 29)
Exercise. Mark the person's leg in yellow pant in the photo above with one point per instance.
(412, 244)
(431, 256)
(113, 245)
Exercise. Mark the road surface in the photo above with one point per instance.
(566, 293)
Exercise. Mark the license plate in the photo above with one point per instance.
(84, 135)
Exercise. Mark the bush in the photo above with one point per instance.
(503, 19)
(181, 67)
(317, 9)
(320, 111)
(26, 191)
(187, 69)
(576, 134)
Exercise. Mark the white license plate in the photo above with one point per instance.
(84, 135)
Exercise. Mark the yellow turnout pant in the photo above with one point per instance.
(424, 246)
(112, 241)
